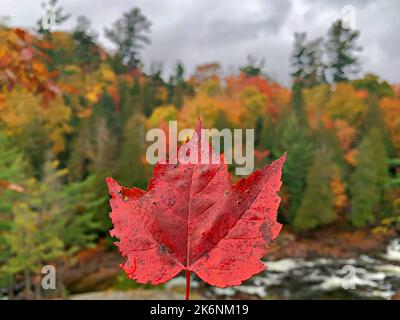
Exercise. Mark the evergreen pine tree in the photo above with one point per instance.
(59, 15)
(317, 205)
(295, 141)
(55, 219)
(130, 34)
(368, 179)
(86, 51)
(12, 177)
(298, 104)
(80, 205)
(38, 217)
(130, 168)
(178, 88)
(341, 48)
(307, 66)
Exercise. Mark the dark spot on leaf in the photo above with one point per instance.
(163, 249)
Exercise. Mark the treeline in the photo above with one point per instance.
(72, 114)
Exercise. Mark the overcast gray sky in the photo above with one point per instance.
(200, 31)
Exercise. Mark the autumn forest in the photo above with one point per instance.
(73, 113)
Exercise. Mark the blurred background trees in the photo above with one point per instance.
(72, 113)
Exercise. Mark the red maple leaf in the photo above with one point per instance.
(192, 218)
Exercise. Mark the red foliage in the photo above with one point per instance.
(192, 218)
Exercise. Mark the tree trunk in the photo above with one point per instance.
(11, 290)
(38, 291)
(60, 281)
(27, 278)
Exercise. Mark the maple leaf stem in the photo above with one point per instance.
(187, 284)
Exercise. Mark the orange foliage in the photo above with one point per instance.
(345, 133)
(21, 63)
(278, 97)
(345, 103)
(351, 157)
(339, 190)
(391, 113)
(205, 72)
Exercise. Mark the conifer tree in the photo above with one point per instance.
(178, 88)
(298, 104)
(55, 219)
(341, 48)
(308, 70)
(38, 217)
(59, 16)
(130, 34)
(368, 179)
(80, 205)
(86, 50)
(317, 205)
(300, 148)
(131, 170)
(12, 177)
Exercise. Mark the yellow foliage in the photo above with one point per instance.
(346, 104)
(71, 68)
(254, 105)
(107, 74)
(56, 122)
(315, 99)
(161, 114)
(202, 106)
(93, 93)
(211, 86)
(21, 107)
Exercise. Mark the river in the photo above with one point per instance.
(365, 277)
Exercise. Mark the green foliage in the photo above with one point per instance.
(253, 68)
(129, 100)
(60, 17)
(93, 111)
(298, 103)
(11, 173)
(80, 205)
(123, 283)
(374, 85)
(307, 66)
(297, 143)
(131, 168)
(37, 216)
(34, 143)
(369, 179)
(178, 88)
(374, 118)
(86, 50)
(341, 48)
(317, 204)
(129, 34)
(55, 219)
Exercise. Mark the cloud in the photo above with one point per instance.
(228, 30)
